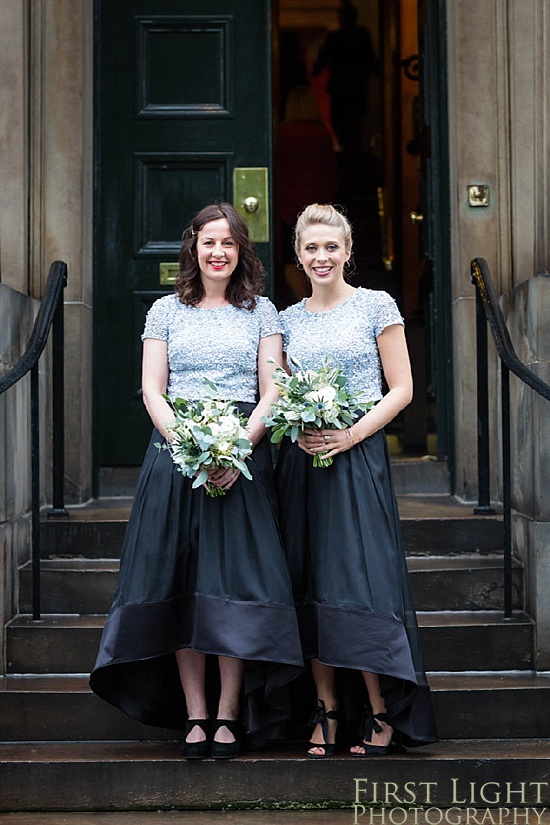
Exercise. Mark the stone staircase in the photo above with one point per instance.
(64, 749)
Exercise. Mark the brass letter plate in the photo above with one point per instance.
(251, 200)
(168, 273)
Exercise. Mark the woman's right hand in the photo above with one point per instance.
(223, 477)
(311, 441)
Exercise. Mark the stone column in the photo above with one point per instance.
(16, 308)
(61, 201)
(498, 92)
(479, 140)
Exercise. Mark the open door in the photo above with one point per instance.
(392, 180)
(415, 212)
(182, 101)
(434, 209)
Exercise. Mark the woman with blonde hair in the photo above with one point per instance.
(340, 523)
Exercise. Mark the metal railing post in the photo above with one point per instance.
(35, 491)
(506, 489)
(58, 408)
(483, 449)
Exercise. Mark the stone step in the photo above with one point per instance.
(431, 525)
(252, 816)
(452, 641)
(503, 705)
(418, 474)
(462, 582)
(113, 776)
(410, 474)
(439, 583)
(70, 585)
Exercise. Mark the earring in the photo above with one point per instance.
(299, 265)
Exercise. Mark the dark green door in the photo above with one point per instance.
(435, 206)
(182, 98)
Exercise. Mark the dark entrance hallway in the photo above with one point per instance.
(350, 133)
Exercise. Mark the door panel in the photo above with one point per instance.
(182, 98)
(435, 206)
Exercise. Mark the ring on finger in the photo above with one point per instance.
(327, 438)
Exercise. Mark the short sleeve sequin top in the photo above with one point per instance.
(347, 334)
(219, 344)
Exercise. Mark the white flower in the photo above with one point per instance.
(229, 425)
(323, 395)
(331, 414)
(223, 447)
(214, 428)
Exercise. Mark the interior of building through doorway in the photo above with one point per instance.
(348, 133)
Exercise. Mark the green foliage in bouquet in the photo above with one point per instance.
(318, 399)
(207, 433)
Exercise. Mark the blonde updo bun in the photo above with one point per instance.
(322, 213)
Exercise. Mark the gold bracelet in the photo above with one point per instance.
(350, 436)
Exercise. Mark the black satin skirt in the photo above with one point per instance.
(202, 573)
(341, 531)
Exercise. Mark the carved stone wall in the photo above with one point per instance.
(16, 308)
(46, 63)
(499, 83)
(17, 312)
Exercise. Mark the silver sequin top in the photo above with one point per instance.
(346, 333)
(220, 344)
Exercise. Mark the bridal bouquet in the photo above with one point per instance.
(207, 433)
(312, 398)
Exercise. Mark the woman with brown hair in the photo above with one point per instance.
(203, 621)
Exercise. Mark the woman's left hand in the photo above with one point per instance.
(328, 442)
(223, 477)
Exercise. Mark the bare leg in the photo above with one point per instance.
(191, 665)
(323, 676)
(377, 704)
(231, 678)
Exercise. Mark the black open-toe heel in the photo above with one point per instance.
(226, 750)
(196, 750)
(321, 716)
(371, 726)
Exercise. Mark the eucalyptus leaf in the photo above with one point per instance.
(200, 479)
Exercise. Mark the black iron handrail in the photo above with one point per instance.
(50, 315)
(488, 311)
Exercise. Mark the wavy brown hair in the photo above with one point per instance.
(247, 279)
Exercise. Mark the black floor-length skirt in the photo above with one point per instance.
(341, 531)
(202, 573)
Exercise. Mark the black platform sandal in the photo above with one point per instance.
(321, 716)
(371, 726)
(226, 750)
(196, 750)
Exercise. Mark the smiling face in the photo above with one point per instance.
(323, 254)
(217, 252)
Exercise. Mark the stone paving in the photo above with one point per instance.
(436, 816)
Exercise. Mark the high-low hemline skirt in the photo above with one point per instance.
(207, 574)
(341, 531)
